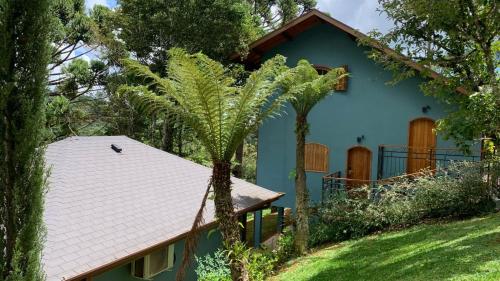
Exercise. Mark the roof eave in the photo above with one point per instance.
(349, 30)
(139, 254)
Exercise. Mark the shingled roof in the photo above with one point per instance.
(105, 208)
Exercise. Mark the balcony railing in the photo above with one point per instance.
(396, 160)
(334, 185)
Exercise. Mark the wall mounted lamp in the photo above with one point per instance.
(360, 139)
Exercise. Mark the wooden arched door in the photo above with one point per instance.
(359, 159)
(421, 145)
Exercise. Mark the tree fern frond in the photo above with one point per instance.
(256, 100)
(150, 78)
(141, 98)
(220, 113)
(308, 87)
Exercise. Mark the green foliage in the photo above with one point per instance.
(307, 86)
(216, 28)
(24, 56)
(285, 249)
(483, 108)
(71, 30)
(462, 192)
(259, 264)
(273, 14)
(74, 34)
(459, 40)
(213, 268)
(250, 158)
(220, 114)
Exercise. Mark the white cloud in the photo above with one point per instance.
(359, 14)
(90, 3)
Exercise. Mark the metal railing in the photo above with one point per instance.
(396, 160)
(334, 185)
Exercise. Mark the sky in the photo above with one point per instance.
(360, 14)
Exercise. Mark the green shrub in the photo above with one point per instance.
(213, 268)
(259, 264)
(285, 249)
(460, 192)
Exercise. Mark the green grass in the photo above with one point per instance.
(466, 250)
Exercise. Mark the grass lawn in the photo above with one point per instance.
(467, 250)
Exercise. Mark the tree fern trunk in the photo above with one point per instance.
(168, 135)
(224, 210)
(301, 193)
(238, 168)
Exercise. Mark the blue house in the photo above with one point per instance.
(366, 131)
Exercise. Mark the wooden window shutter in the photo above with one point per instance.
(342, 85)
(316, 158)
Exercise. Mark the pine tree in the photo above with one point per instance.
(23, 76)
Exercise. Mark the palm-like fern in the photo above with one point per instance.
(220, 113)
(307, 88)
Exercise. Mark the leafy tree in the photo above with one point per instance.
(307, 88)
(459, 40)
(216, 28)
(24, 57)
(149, 29)
(273, 14)
(74, 34)
(221, 115)
(77, 83)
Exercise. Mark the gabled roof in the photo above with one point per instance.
(310, 19)
(104, 208)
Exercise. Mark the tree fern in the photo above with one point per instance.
(219, 112)
(308, 88)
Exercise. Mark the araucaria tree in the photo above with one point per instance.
(306, 87)
(221, 115)
(24, 55)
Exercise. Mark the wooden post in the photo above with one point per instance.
(281, 219)
(257, 228)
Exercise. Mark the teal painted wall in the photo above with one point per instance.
(369, 107)
(206, 244)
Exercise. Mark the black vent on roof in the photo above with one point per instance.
(116, 148)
